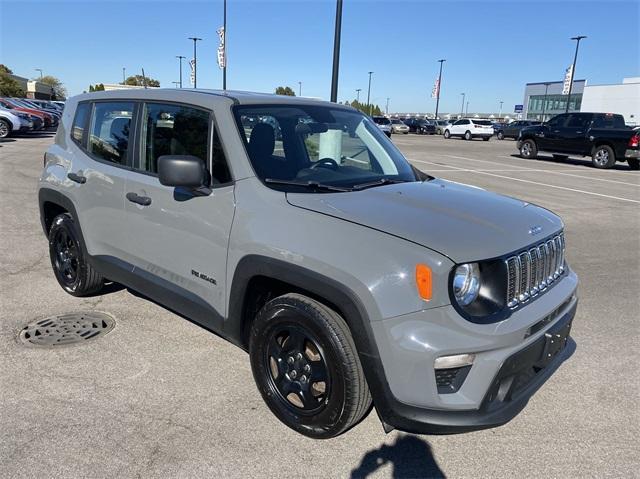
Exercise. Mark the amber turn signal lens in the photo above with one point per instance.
(423, 281)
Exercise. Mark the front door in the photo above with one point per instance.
(550, 138)
(574, 133)
(178, 238)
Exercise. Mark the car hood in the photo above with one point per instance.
(463, 222)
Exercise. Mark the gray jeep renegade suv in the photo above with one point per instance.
(296, 230)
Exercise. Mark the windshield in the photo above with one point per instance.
(318, 144)
(381, 120)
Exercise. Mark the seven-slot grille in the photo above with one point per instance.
(531, 272)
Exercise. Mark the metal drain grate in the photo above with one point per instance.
(67, 329)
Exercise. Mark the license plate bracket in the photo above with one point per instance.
(555, 341)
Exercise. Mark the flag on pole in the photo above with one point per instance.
(222, 58)
(192, 77)
(568, 79)
(435, 92)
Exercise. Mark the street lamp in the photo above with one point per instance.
(544, 102)
(462, 107)
(358, 90)
(369, 94)
(180, 57)
(336, 52)
(500, 114)
(195, 61)
(439, 85)
(224, 29)
(387, 107)
(299, 88)
(124, 77)
(39, 70)
(573, 68)
(466, 112)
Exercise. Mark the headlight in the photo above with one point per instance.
(466, 283)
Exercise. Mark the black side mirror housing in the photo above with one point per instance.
(182, 171)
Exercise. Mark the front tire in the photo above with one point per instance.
(603, 157)
(467, 136)
(500, 135)
(447, 134)
(305, 365)
(528, 149)
(76, 276)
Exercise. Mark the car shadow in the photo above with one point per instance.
(586, 163)
(409, 455)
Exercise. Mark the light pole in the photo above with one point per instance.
(573, 68)
(299, 88)
(180, 57)
(224, 29)
(387, 107)
(466, 111)
(462, 107)
(500, 114)
(439, 85)
(544, 102)
(336, 52)
(358, 90)
(39, 70)
(195, 61)
(124, 76)
(369, 94)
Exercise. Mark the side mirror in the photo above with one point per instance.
(181, 170)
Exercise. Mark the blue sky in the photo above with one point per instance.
(492, 47)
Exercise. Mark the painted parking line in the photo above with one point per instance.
(556, 172)
(575, 190)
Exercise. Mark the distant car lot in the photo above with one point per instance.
(159, 396)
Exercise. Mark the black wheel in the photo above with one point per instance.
(500, 135)
(634, 163)
(305, 365)
(486, 138)
(72, 271)
(467, 136)
(528, 149)
(447, 134)
(5, 128)
(560, 157)
(603, 157)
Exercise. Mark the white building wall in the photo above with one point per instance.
(623, 99)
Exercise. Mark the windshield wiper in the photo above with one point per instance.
(380, 182)
(307, 184)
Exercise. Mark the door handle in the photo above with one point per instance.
(579, 132)
(141, 200)
(77, 178)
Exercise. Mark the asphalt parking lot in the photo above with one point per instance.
(160, 397)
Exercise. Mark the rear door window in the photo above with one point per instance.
(578, 121)
(110, 131)
(608, 121)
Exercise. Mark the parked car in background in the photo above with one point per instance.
(49, 120)
(512, 130)
(602, 136)
(14, 122)
(470, 128)
(398, 126)
(441, 125)
(421, 127)
(384, 124)
(54, 112)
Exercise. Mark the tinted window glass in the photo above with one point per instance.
(608, 121)
(482, 122)
(110, 129)
(173, 130)
(578, 121)
(381, 120)
(80, 122)
(557, 121)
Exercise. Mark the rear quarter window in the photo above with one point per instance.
(80, 123)
(608, 121)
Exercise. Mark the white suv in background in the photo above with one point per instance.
(470, 128)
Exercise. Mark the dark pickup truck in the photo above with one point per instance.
(602, 136)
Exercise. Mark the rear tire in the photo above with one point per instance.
(74, 274)
(603, 157)
(306, 367)
(634, 163)
(500, 135)
(528, 149)
(467, 136)
(447, 134)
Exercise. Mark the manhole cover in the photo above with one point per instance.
(67, 329)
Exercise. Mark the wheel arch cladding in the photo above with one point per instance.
(52, 203)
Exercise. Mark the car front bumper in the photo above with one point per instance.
(510, 363)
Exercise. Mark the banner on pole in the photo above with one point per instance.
(222, 58)
(192, 77)
(435, 92)
(568, 78)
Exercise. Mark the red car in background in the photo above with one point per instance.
(48, 119)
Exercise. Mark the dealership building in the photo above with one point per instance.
(544, 100)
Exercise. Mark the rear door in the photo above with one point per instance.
(179, 239)
(574, 134)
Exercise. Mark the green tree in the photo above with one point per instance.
(96, 87)
(139, 80)
(8, 85)
(285, 90)
(371, 109)
(59, 91)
